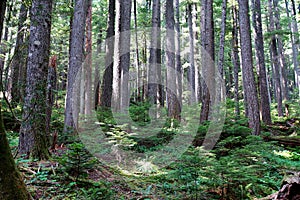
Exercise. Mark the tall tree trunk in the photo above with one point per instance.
(76, 61)
(178, 56)
(295, 46)
(260, 55)
(222, 45)
(173, 104)
(33, 137)
(2, 15)
(207, 41)
(191, 68)
(276, 61)
(222, 39)
(247, 68)
(137, 56)
(11, 184)
(3, 50)
(51, 88)
(235, 59)
(19, 59)
(106, 87)
(283, 63)
(88, 99)
(122, 55)
(153, 85)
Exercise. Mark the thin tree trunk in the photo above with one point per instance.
(76, 60)
(106, 87)
(137, 56)
(51, 88)
(33, 136)
(283, 63)
(260, 54)
(276, 62)
(235, 59)
(295, 46)
(191, 68)
(2, 15)
(247, 68)
(222, 39)
(178, 56)
(88, 99)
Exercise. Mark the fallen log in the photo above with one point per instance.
(291, 141)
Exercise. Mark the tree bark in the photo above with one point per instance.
(172, 101)
(11, 183)
(191, 68)
(75, 63)
(247, 68)
(153, 85)
(283, 63)
(19, 59)
(295, 46)
(207, 41)
(2, 15)
(122, 56)
(33, 137)
(276, 61)
(235, 59)
(51, 88)
(260, 55)
(178, 56)
(106, 87)
(88, 99)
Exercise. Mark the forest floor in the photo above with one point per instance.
(241, 166)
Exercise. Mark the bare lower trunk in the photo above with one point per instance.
(247, 68)
(33, 136)
(260, 55)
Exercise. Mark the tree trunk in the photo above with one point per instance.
(295, 46)
(2, 15)
(222, 39)
(172, 101)
(222, 46)
(75, 63)
(260, 55)
(122, 56)
(137, 54)
(106, 87)
(153, 59)
(88, 99)
(51, 88)
(11, 184)
(33, 137)
(276, 61)
(19, 59)
(178, 56)
(207, 41)
(247, 68)
(191, 68)
(235, 59)
(283, 63)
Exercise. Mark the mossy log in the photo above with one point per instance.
(285, 140)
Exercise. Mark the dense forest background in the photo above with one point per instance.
(149, 99)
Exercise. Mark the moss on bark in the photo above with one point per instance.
(12, 186)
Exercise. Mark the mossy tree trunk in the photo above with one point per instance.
(33, 137)
(11, 183)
